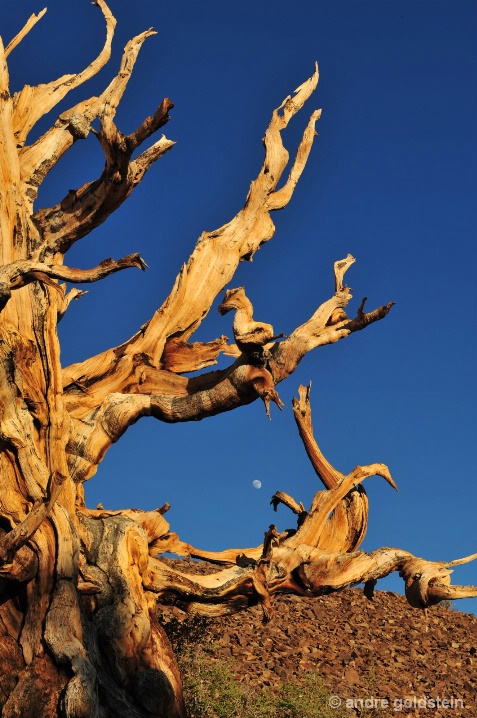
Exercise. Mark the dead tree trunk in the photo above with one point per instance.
(79, 588)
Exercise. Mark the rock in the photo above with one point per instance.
(360, 648)
(351, 676)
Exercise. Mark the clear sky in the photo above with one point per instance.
(391, 179)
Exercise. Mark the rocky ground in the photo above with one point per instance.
(380, 649)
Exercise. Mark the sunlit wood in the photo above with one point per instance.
(80, 587)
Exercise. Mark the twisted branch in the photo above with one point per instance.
(32, 103)
(22, 272)
(11, 542)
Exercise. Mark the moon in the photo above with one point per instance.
(257, 484)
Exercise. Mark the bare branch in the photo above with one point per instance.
(252, 338)
(227, 591)
(31, 103)
(281, 197)
(86, 208)
(38, 159)
(89, 206)
(204, 276)
(428, 583)
(317, 528)
(280, 497)
(302, 571)
(68, 297)
(22, 272)
(336, 522)
(151, 124)
(318, 558)
(114, 389)
(9, 169)
(236, 556)
(271, 363)
(460, 561)
(210, 267)
(153, 523)
(302, 411)
(328, 325)
(438, 592)
(286, 564)
(30, 23)
(346, 526)
(340, 269)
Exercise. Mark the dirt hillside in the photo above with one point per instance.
(380, 649)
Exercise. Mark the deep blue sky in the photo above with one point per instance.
(391, 179)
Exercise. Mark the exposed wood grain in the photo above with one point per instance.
(80, 587)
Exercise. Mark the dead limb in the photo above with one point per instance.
(32, 103)
(20, 273)
(126, 386)
(30, 23)
(217, 254)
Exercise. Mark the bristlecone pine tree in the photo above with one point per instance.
(80, 588)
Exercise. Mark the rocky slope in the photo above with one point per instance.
(381, 649)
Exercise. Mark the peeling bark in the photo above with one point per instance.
(79, 632)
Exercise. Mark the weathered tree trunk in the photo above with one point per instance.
(79, 635)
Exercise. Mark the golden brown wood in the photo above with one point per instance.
(80, 587)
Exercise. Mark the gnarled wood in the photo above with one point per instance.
(80, 587)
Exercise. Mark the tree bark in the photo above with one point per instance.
(80, 588)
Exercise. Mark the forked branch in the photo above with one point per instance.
(138, 389)
(32, 103)
(328, 325)
(301, 571)
(318, 558)
(89, 206)
(215, 258)
(39, 158)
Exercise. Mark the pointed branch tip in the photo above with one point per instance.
(31, 22)
(460, 561)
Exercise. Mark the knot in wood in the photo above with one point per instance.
(79, 126)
